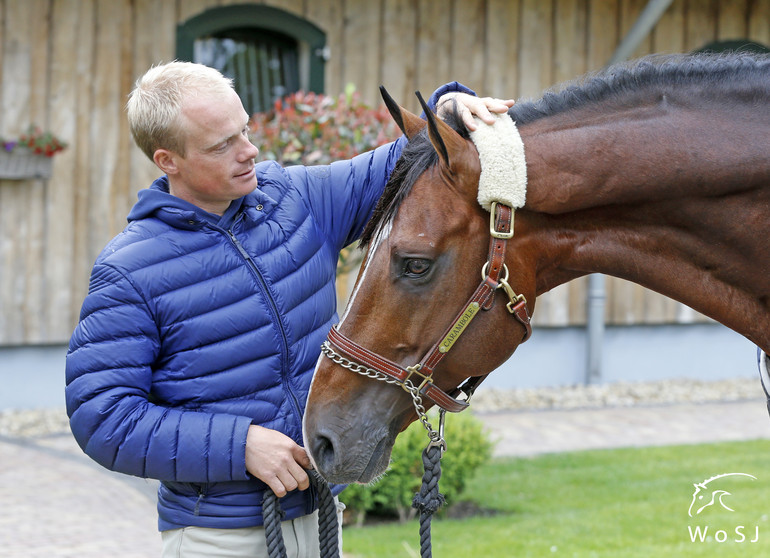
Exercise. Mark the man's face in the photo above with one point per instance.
(218, 165)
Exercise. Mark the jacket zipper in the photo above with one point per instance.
(276, 317)
(201, 495)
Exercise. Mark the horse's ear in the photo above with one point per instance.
(445, 140)
(409, 123)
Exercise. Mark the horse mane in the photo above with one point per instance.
(715, 72)
(746, 72)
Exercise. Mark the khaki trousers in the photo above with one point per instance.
(300, 536)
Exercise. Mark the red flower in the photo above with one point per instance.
(312, 129)
(34, 139)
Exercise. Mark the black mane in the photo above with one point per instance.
(748, 72)
(716, 72)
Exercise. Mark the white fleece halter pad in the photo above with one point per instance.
(503, 168)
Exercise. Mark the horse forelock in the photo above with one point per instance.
(417, 157)
(720, 74)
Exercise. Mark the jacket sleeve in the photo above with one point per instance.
(112, 416)
(343, 195)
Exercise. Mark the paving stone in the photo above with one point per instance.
(56, 504)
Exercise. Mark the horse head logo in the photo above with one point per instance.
(705, 496)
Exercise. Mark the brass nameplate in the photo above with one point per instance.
(460, 325)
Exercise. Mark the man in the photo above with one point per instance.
(197, 341)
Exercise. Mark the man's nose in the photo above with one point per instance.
(250, 150)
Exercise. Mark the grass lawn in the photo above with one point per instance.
(604, 504)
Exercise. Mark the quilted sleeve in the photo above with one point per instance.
(343, 195)
(112, 416)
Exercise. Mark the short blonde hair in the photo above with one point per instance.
(154, 106)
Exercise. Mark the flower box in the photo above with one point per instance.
(22, 164)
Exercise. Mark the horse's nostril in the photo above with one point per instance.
(323, 451)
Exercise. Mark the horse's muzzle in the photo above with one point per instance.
(360, 462)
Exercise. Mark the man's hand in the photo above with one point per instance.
(277, 460)
(470, 106)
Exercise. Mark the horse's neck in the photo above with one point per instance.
(662, 198)
(643, 154)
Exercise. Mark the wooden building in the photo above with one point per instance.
(68, 65)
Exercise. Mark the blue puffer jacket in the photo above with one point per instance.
(196, 326)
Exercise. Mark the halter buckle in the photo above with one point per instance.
(514, 298)
(502, 235)
(415, 369)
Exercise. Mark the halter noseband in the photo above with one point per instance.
(417, 380)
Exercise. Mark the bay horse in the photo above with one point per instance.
(657, 172)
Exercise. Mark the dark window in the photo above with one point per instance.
(268, 52)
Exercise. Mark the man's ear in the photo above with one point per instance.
(166, 161)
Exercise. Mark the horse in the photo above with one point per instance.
(657, 172)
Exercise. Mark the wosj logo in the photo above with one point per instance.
(709, 499)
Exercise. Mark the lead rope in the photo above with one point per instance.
(764, 374)
(428, 500)
(328, 527)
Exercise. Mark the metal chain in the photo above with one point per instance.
(354, 366)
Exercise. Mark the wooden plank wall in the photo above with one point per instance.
(68, 65)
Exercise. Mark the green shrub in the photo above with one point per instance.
(468, 447)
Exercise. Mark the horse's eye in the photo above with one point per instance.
(416, 267)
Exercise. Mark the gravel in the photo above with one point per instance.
(33, 423)
(36, 423)
(621, 394)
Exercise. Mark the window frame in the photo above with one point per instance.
(311, 39)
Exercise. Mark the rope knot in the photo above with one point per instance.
(427, 505)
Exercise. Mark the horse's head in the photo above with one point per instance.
(427, 244)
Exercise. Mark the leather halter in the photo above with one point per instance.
(494, 276)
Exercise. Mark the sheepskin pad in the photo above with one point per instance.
(503, 168)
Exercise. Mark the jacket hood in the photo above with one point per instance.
(157, 197)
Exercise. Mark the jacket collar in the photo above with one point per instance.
(156, 201)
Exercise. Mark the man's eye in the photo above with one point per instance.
(416, 267)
